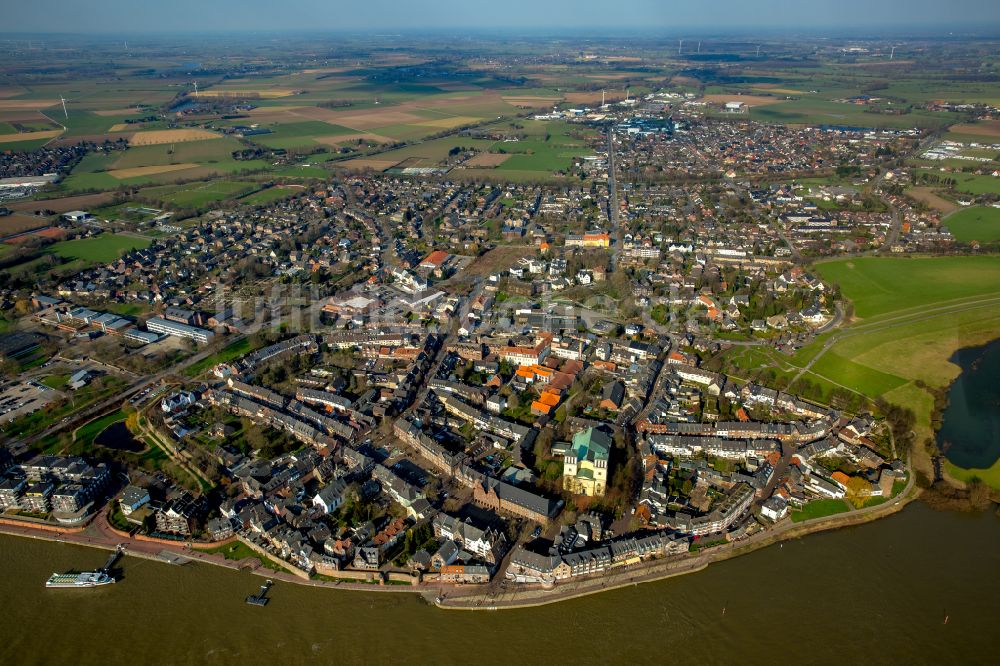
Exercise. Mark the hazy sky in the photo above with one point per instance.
(123, 16)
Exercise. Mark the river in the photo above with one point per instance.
(877, 593)
(970, 425)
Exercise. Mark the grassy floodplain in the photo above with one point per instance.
(882, 285)
(911, 314)
(988, 475)
(915, 314)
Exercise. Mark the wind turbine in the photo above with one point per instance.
(65, 112)
(699, 46)
(680, 44)
(892, 52)
(195, 88)
(602, 99)
(758, 50)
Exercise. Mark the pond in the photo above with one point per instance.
(118, 437)
(970, 425)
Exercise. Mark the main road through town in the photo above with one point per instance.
(615, 231)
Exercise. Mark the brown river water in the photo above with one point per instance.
(877, 594)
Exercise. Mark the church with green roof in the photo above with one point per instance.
(585, 463)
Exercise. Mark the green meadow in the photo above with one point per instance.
(979, 223)
(100, 249)
(819, 509)
(269, 195)
(880, 285)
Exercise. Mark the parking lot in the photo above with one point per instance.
(21, 398)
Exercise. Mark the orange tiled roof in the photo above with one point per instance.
(542, 371)
(549, 398)
(437, 257)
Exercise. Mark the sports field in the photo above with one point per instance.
(199, 194)
(979, 223)
(100, 249)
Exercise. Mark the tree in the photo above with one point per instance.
(858, 491)
(253, 434)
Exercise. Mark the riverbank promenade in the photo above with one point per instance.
(494, 596)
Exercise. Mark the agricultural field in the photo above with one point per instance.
(17, 137)
(305, 171)
(307, 134)
(927, 196)
(80, 123)
(63, 204)
(16, 224)
(918, 315)
(158, 137)
(828, 112)
(364, 105)
(296, 108)
(159, 163)
(542, 149)
(979, 223)
(425, 154)
(986, 129)
(98, 249)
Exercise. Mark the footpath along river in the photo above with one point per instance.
(878, 593)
